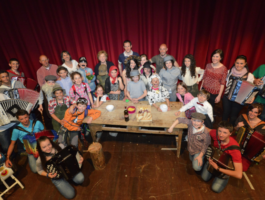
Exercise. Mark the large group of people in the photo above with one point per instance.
(71, 93)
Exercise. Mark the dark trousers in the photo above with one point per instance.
(208, 123)
(231, 110)
(212, 99)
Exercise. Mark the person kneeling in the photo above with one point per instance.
(224, 132)
(198, 138)
(47, 149)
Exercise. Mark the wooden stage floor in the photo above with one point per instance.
(137, 169)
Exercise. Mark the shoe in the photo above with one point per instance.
(113, 134)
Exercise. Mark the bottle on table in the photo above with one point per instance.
(126, 114)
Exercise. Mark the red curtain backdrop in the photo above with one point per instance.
(30, 28)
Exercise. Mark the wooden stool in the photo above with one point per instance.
(5, 173)
(97, 156)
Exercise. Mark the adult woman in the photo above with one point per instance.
(102, 58)
(114, 85)
(251, 121)
(70, 64)
(157, 92)
(169, 76)
(214, 77)
(131, 63)
(189, 73)
(47, 149)
(147, 73)
(239, 71)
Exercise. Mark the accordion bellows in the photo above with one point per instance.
(30, 141)
(9, 108)
(24, 94)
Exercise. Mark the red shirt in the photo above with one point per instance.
(236, 154)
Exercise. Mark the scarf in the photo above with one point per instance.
(239, 73)
(113, 78)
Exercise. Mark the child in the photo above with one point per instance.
(45, 97)
(198, 138)
(189, 73)
(80, 89)
(100, 97)
(143, 61)
(64, 79)
(225, 140)
(57, 107)
(185, 97)
(85, 71)
(136, 90)
(147, 73)
(202, 106)
(157, 92)
(170, 76)
(73, 119)
(114, 85)
(102, 75)
(13, 72)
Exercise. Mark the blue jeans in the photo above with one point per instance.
(195, 164)
(32, 163)
(64, 186)
(219, 184)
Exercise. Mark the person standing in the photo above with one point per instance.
(127, 45)
(159, 59)
(45, 70)
(102, 58)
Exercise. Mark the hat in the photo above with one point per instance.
(56, 88)
(134, 73)
(82, 59)
(197, 115)
(102, 70)
(50, 78)
(168, 58)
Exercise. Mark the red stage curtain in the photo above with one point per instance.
(30, 28)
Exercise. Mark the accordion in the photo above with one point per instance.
(262, 88)
(30, 140)
(240, 91)
(65, 163)
(252, 144)
(221, 158)
(9, 108)
(23, 94)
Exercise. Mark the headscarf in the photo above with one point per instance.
(114, 78)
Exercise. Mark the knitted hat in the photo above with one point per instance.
(50, 78)
(197, 115)
(168, 58)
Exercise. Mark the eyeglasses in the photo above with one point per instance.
(82, 100)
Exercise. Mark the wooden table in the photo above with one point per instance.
(161, 121)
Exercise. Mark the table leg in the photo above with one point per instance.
(94, 128)
(178, 142)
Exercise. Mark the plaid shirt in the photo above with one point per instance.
(80, 93)
(53, 104)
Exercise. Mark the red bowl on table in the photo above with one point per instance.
(131, 109)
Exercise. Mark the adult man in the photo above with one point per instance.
(159, 59)
(127, 45)
(5, 130)
(29, 126)
(45, 70)
(223, 137)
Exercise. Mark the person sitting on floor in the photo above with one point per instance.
(202, 106)
(223, 136)
(198, 138)
(157, 92)
(29, 126)
(47, 149)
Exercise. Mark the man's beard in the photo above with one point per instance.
(47, 89)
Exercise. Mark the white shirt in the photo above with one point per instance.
(103, 98)
(73, 69)
(188, 80)
(205, 109)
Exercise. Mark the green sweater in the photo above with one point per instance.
(259, 73)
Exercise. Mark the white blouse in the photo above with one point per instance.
(73, 69)
(190, 81)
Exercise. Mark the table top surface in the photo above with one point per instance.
(159, 119)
